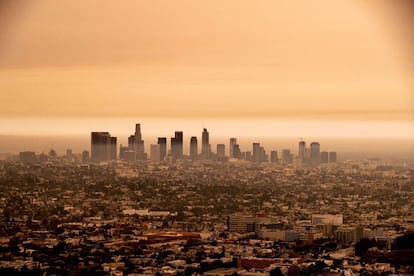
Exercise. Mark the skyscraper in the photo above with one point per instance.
(205, 144)
(177, 145)
(273, 157)
(315, 158)
(139, 143)
(162, 141)
(332, 157)
(236, 151)
(135, 148)
(287, 156)
(155, 153)
(256, 152)
(193, 148)
(221, 151)
(233, 141)
(101, 146)
(324, 157)
(302, 152)
(113, 148)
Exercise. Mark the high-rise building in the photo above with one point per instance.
(273, 157)
(233, 141)
(287, 156)
(139, 143)
(162, 141)
(324, 157)
(193, 148)
(332, 157)
(113, 148)
(155, 153)
(302, 152)
(177, 145)
(256, 152)
(236, 151)
(100, 146)
(135, 150)
(315, 151)
(262, 155)
(221, 151)
(205, 144)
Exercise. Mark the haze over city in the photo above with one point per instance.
(298, 63)
(184, 137)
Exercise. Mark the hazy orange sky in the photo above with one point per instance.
(207, 60)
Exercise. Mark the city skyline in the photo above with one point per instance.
(183, 137)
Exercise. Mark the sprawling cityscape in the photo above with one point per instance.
(234, 212)
(216, 138)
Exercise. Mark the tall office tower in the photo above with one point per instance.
(139, 143)
(332, 157)
(162, 141)
(100, 146)
(177, 145)
(233, 141)
(273, 157)
(221, 151)
(113, 148)
(131, 142)
(236, 151)
(205, 144)
(287, 156)
(193, 148)
(315, 151)
(256, 152)
(262, 155)
(155, 153)
(324, 157)
(302, 151)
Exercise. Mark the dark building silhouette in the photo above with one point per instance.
(324, 157)
(233, 141)
(139, 144)
(315, 151)
(256, 152)
(221, 151)
(113, 148)
(193, 148)
(302, 152)
(162, 141)
(259, 153)
(135, 149)
(287, 156)
(100, 146)
(177, 145)
(205, 144)
(236, 151)
(332, 157)
(273, 157)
